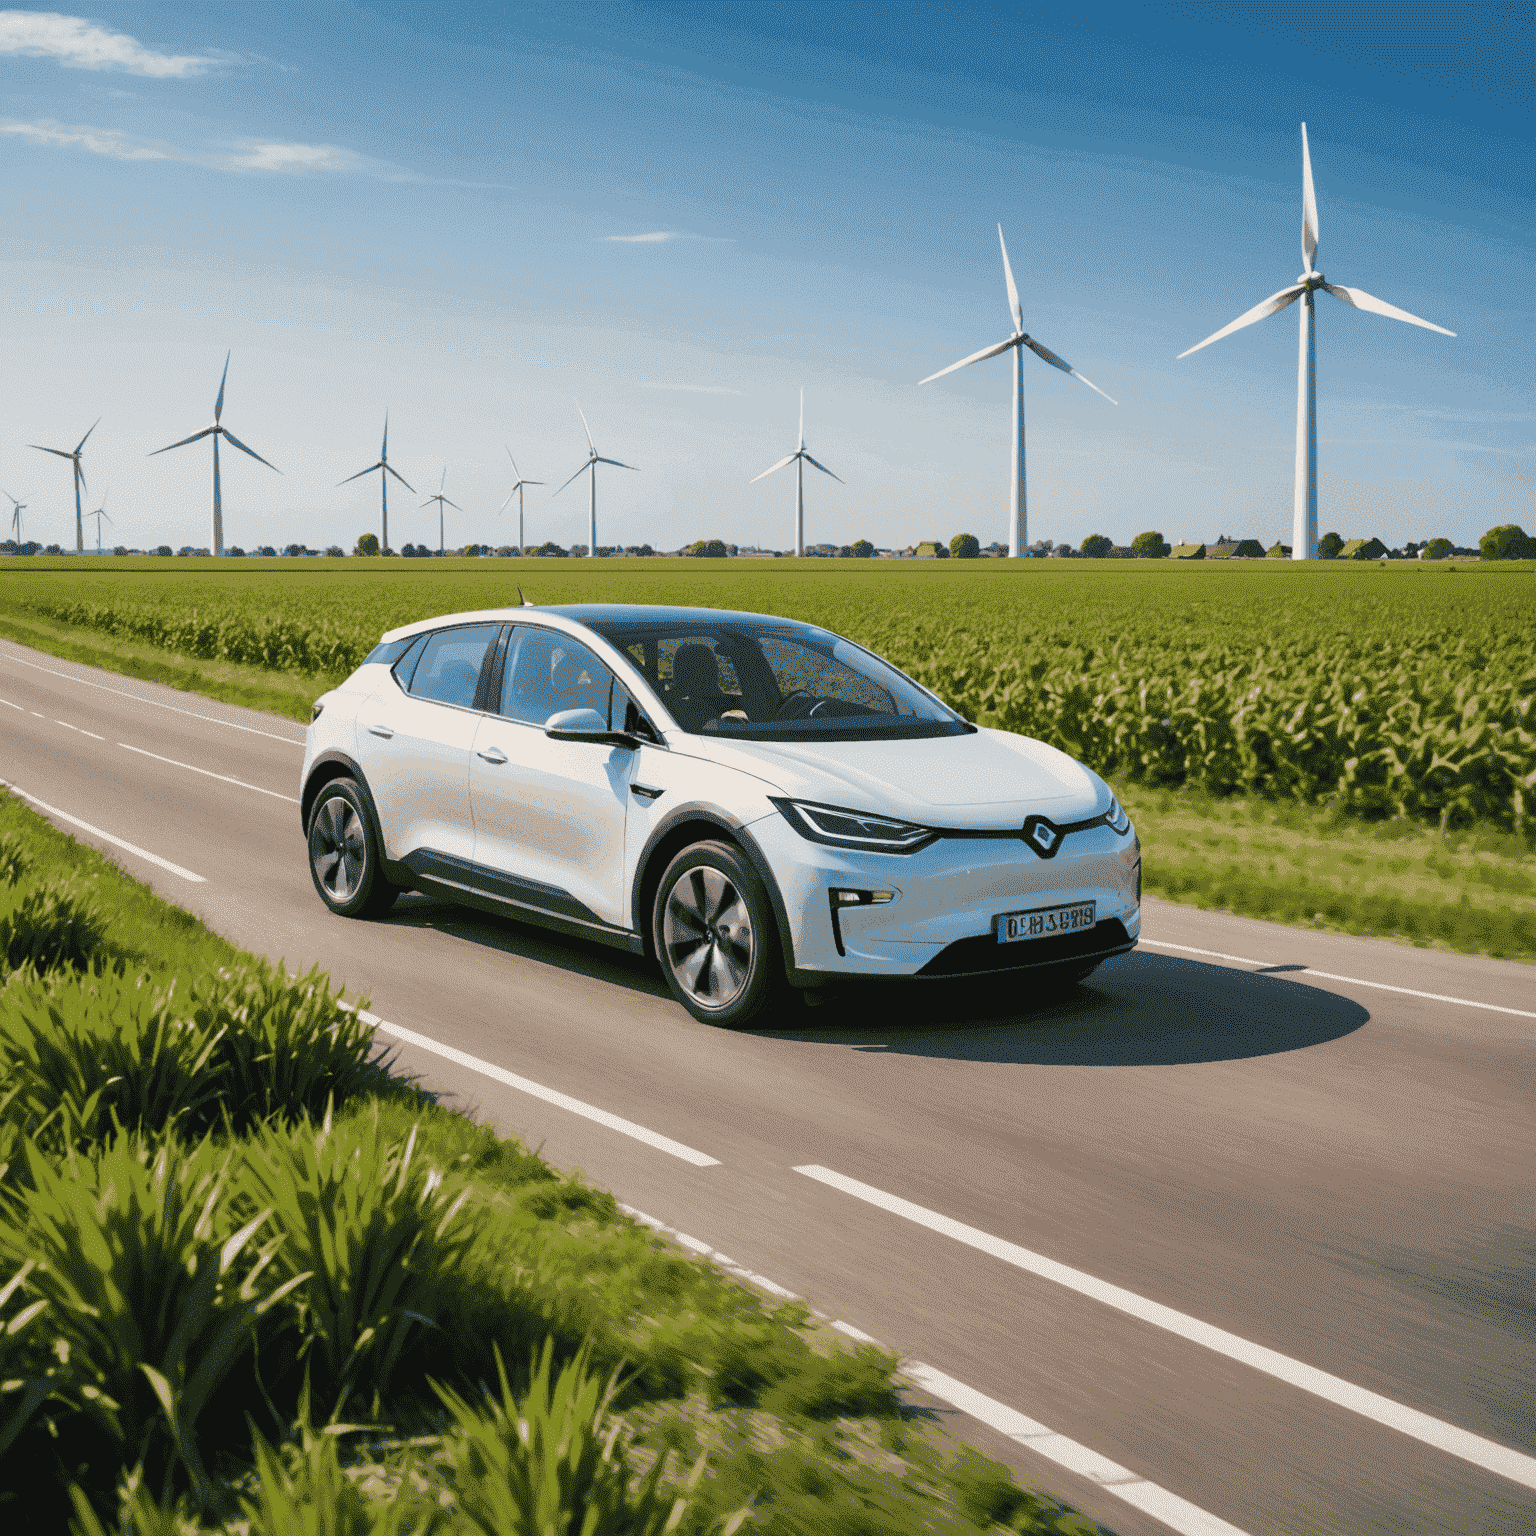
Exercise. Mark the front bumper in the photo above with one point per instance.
(945, 898)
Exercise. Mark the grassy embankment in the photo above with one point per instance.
(250, 1281)
(1333, 744)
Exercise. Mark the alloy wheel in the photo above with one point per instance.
(338, 849)
(707, 931)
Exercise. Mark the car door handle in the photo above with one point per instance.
(492, 755)
(380, 730)
(645, 792)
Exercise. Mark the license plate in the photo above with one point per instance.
(1045, 922)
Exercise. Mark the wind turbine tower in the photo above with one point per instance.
(517, 490)
(99, 514)
(386, 469)
(799, 458)
(442, 501)
(216, 431)
(1018, 521)
(594, 458)
(18, 507)
(73, 455)
(1304, 528)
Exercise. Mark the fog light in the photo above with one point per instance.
(839, 897)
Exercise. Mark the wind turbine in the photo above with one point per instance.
(387, 469)
(99, 514)
(74, 458)
(799, 458)
(1304, 528)
(19, 507)
(216, 431)
(442, 501)
(594, 458)
(1018, 523)
(517, 490)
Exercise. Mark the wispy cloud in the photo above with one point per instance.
(694, 389)
(656, 237)
(111, 142)
(263, 155)
(80, 44)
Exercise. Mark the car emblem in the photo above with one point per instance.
(1042, 836)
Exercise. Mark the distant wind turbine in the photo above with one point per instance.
(1304, 527)
(442, 501)
(99, 514)
(216, 431)
(386, 469)
(18, 508)
(79, 475)
(799, 458)
(594, 458)
(517, 490)
(1018, 522)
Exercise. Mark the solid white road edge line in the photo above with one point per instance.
(140, 699)
(1354, 981)
(81, 729)
(1481, 1452)
(539, 1091)
(1176, 1513)
(13, 706)
(209, 773)
(107, 837)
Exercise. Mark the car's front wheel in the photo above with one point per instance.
(715, 935)
(345, 858)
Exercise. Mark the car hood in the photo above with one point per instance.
(985, 779)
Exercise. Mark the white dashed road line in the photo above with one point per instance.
(16, 707)
(107, 837)
(539, 1091)
(1176, 1513)
(1481, 1452)
(209, 773)
(1353, 981)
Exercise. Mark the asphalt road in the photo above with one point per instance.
(1261, 1237)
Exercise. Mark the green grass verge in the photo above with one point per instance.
(252, 1282)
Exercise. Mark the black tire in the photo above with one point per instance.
(715, 936)
(345, 854)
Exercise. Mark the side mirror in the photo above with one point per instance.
(584, 725)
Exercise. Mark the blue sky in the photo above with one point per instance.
(436, 209)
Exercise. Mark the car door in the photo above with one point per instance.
(413, 745)
(549, 815)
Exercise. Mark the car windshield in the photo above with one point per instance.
(774, 680)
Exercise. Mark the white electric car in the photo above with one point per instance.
(757, 803)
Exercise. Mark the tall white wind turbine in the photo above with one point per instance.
(594, 458)
(18, 507)
(1018, 521)
(386, 469)
(73, 455)
(1304, 526)
(100, 514)
(799, 458)
(216, 431)
(517, 490)
(442, 501)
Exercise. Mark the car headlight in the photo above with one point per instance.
(1115, 817)
(839, 828)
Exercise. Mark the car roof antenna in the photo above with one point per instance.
(523, 600)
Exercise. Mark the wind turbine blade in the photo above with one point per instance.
(598, 460)
(207, 431)
(79, 473)
(789, 458)
(510, 495)
(63, 453)
(823, 468)
(389, 469)
(801, 443)
(359, 475)
(530, 482)
(1308, 203)
(442, 480)
(234, 442)
(384, 447)
(975, 357)
(1046, 355)
(515, 470)
(94, 425)
(584, 468)
(1270, 306)
(583, 415)
(456, 507)
(1013, 292)
(1363, 300)
(218, 405)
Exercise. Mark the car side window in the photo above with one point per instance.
(449, 669)
(625, 715)
(406, 665)
(546, 672)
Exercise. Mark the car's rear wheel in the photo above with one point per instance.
(715, 935)
(345, 857)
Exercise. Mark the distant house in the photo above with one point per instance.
(1187, 552)
(1363, 549)
(1235, 549)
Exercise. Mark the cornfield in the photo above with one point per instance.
(1396, 691)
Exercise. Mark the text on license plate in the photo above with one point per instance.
(1045, 922)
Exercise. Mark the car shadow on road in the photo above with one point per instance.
(1138, 1010)
(581, 957)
